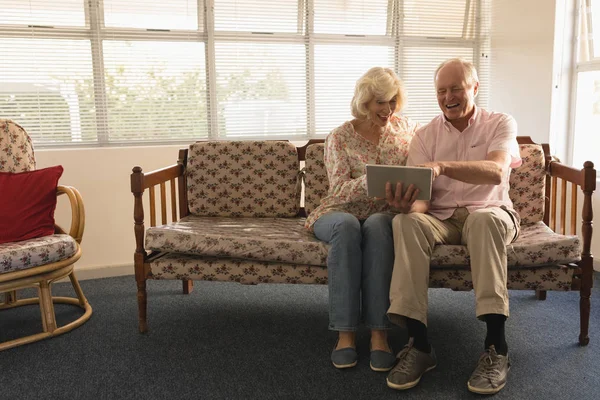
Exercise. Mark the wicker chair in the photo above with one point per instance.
(41, 261)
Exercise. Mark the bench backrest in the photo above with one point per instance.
(527, 183)
(243, 179)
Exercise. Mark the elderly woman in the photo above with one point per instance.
(358, 227)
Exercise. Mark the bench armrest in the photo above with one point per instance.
(139, 183)
(585, 179)
(156, 177)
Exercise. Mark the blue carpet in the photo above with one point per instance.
(230, 341)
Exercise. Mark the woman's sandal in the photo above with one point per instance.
(344, 358)
(382, 361)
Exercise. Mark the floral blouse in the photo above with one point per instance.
(346, 154)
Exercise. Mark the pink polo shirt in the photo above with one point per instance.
(440, 141)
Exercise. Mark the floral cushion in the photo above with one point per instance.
(315, 177)
(243, 179)
(35, 252)
(282, 240)
(527, 184)
(538, 278)
(185, 266)
(16, 150)
(537, 245)
(285, 240)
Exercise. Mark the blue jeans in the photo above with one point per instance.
(359, 267)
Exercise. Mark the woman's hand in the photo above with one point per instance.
(399, 202)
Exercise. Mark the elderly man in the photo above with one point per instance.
(470, 151)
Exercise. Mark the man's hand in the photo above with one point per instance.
(435, 166)
(399, 202)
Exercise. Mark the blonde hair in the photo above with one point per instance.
(469, 71)
(377, 82)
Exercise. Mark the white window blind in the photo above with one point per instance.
(155, 90)
(353, 17)
(264, 16)
(261, 89)
(440, 18)
(102, 72)
(418, 69)
(48, 88)
(151, 14)
(412, 36)
(334, 89)
(42, 13)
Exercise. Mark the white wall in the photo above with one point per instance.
(522, 58)
(102, 177)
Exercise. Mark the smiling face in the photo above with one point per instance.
(381, 111)
(455, 95)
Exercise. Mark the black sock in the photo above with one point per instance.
(418, 331)
(495, 333)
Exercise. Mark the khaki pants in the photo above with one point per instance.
(485, 232)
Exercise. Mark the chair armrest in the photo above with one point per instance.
(77, 212)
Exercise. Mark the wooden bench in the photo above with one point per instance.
(235, 215)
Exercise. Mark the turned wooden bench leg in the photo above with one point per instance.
(540, 294)
(188, 286)
(142, 299)
(587, 282)
(584, 311)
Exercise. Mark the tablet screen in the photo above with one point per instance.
(378, 175)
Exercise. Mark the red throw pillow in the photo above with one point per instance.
(27, 203)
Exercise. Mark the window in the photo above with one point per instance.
(587, 84)
(104, 72)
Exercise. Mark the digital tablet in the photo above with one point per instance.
(378, 175)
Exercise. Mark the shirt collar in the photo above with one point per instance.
(447, 123)
(475, 114)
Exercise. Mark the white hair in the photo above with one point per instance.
(377, 82)
(469, 70)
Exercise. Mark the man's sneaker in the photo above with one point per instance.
(412, 364)
(490, 374)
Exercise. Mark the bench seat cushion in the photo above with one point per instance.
(530, 278)
(206, 268)
(283, 240)
(537, 245)
(186, 266)
(31, 253)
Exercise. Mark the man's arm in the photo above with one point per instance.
(486, 172)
